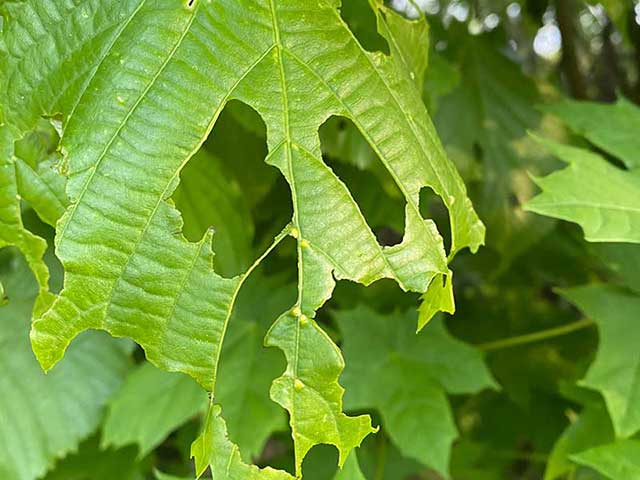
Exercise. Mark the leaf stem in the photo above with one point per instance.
(536, 336)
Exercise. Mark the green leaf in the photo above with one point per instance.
(439, 297)
(607, 211)
(91, 462)
(130, 272)
(213, 449)
(38, 181)
(32, 87)
(623, 260)
(618, 460)
(12, 230)
(43, 417)
(591, 428)
(611, 127)
(615, 371)
(149, 406)
(351, 469)
(413, 373)
(408, 39)
(72, 37)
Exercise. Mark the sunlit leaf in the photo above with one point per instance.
(136, 107)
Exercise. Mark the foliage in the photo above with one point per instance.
(210, 179)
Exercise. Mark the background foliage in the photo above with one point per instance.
(536, 376)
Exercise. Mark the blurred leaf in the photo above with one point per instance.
(485, 121)
(91, 462)
(441, 78)
(164, 476)
(623, 260)
(380, 459)
(248, 367)
(239, 125)
(412, 375)
(150, 405)
(616, 370)
(618, 461)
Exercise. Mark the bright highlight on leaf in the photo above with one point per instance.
(616, 460)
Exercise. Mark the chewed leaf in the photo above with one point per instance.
(309, 388)
(142, 105)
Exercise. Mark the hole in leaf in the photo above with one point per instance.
(361, 19)
(432, 207)
(351, 158)
(222, 184)
(320, 463)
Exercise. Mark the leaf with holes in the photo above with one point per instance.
(139, 89)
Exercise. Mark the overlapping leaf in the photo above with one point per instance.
(602, 198)
(71, 38)
(149, 406)
(483, 123)
(590, 429)
(407, 377)
(351, 470)
(610, 127)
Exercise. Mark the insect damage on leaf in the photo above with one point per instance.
(172, 70)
